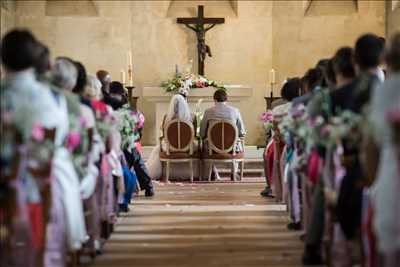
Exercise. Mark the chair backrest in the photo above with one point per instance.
(222, 136)
(179, 136)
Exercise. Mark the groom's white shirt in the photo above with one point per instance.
(222, 111)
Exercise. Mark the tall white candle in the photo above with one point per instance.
(272, 76)
(129, 58)
(123, 77)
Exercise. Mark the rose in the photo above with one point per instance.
(200, 84)
(73, 140)
(99, 107)
(38, 133)
(267, 116)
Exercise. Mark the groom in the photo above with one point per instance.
(223, 111)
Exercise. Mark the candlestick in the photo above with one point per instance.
(123, 77)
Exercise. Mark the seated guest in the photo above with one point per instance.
(133, 157)
(178, 109)
(222, 111)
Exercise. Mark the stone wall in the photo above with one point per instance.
(7, 15)
(256, 36)
(305, 37)
(393, 17)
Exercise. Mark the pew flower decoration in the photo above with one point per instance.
(191, 81)
(78, 143)
(293, 128)
(104, 119)
(128, 125)
(267, 119)
(40, 148)
(329, 132)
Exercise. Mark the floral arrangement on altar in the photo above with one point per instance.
(188, 81)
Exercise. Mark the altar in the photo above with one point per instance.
(237, 94)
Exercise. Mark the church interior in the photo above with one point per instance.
(200, 133)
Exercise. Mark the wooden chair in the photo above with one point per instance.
(222, 137)
(179, 138)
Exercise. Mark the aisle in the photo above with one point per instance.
(203, 225)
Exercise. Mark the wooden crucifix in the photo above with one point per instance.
(197, 25)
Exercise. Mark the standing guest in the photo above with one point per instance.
(105, 80)
(368, 55)
(21, 96)
(133, 157)
(68, 188)
(313, 80)
(33, 101)
(93, 88)
(386, 188)
(290, 90)
(80, 85)
(343, 69)
(63, 76)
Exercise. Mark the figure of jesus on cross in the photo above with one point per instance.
(197, 25)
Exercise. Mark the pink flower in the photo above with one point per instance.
(38, 133)
(99, 107)
(138, 146)
(73, 140)
(267, 116)
(200, 84)
(141, 121)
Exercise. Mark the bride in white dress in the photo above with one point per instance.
(178, 109)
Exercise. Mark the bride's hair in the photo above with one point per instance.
(178, 109)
